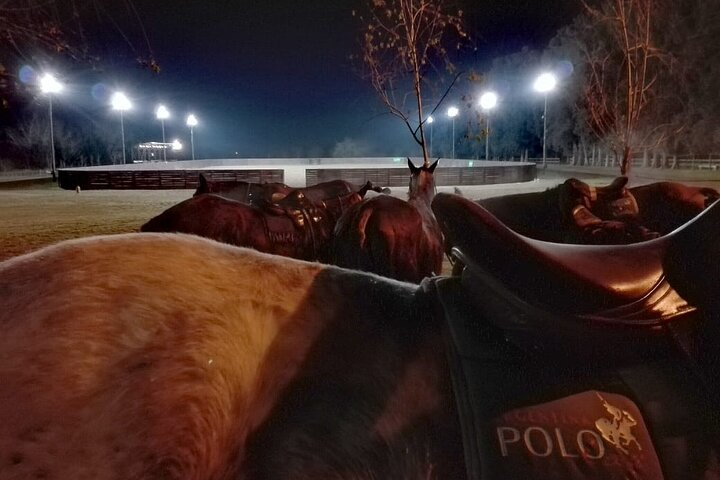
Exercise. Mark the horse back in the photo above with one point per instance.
(328, 190)
(665, 206)
(170, 356)
(241, 191)
(215, 217)
(386, 235)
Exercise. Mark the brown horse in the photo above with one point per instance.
(391, 237)
(245, 192)
(176, 357)
(664, 206)
(293, 227)
(258, 193)
(575, 212)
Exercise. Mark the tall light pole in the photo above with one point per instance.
(452, 113)
(49, 86)
(163, 114)
(121, 103)
(430, 121)
(545, 83)
(488, 101)
(192, 122)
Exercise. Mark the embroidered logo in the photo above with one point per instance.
(616, 430)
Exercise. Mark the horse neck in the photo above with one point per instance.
(422, 200)
(422, 195)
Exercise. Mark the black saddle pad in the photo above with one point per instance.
(530, 413)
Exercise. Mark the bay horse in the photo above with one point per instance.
(259, 193)
(177, 357)
(294, 226)
(392, 237)
(575, 212)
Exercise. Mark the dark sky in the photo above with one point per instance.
(273, 77)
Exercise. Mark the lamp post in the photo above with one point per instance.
(121, 103)
(176, 145)
(192, 122)
(162, 114)
(49, 85)
(452, 113)
(488, 101)
(545, 83)
(430, 120)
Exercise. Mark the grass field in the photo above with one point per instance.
(35, 216)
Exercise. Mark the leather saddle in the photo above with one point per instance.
(580, 361)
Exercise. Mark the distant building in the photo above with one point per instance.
(153, 152)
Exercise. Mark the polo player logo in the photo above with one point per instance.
(616, 430)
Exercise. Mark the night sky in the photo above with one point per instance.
(274, 78)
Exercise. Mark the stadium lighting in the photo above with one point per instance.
(176, 145)
(49, 85)
(121, 103)
(452, 113)
(192, 122)
(430, 121)
(162, 114)
(488, 101)
(544, 84)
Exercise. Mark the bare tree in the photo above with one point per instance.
(403, 41)
(621, 74)
(34, 30)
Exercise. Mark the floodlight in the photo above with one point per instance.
(120, 102)
(162, 113)
(488, 100)
(49, 84)
(545, 82)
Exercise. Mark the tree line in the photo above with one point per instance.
(634, 76)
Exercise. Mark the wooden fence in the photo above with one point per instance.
(599, 158)
(146, 179)
(398, 177)
(88, 179)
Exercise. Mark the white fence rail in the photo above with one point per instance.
(679, 162)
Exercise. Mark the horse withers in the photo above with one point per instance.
(392, 237)
(173, 356)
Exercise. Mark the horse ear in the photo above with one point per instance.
(431, 168)
(413, 169)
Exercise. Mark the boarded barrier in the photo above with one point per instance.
(150, 179)
(158, 179)
(449, 176)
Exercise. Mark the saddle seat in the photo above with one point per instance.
(296, 206)
(618, 284)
